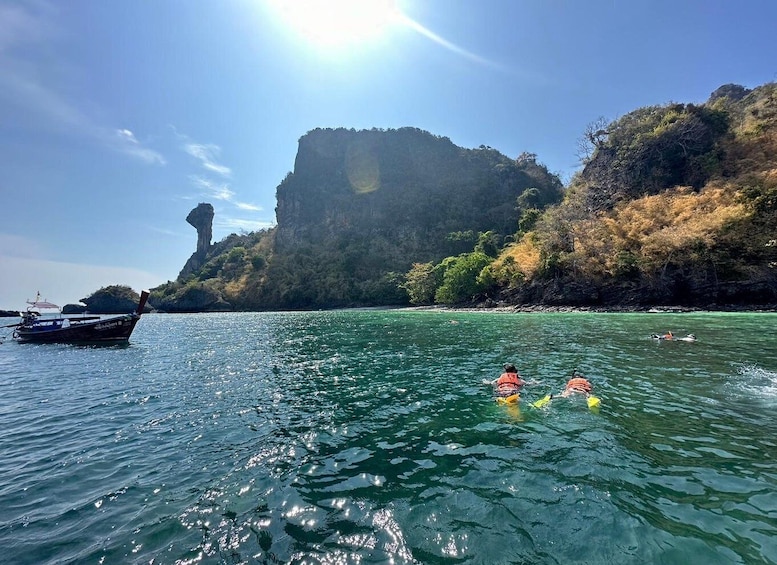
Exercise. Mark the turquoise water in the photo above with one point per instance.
(369, 437)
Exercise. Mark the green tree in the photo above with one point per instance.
(489, 243)
(421, 282)
(460, 278)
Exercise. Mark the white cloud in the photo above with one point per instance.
(126, 135)
(207, 154)
(35, 97)
(128, 143)
(249, 207)
(219, 191)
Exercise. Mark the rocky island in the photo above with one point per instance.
(675, 205)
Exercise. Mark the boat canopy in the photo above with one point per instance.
(42, 304)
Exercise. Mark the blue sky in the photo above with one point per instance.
(119, 117)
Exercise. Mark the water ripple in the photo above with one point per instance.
(369, 437)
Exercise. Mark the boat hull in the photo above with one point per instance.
(109, 330)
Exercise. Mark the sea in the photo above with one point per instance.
(372, 436)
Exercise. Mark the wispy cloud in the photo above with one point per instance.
(213, 182)
(249, 207)
(217, 190)
(23, 83)
(207, 155)
(126, 142)
(238, 224)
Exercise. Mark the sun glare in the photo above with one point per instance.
(337, 24)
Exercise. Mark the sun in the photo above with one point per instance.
(338, 24)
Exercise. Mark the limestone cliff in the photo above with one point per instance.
(201, 218)
(407, 186)
(675, 205)
(359, 209)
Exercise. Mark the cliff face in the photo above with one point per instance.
(361, 207)
(404, 185)
(676, 205)
(358, 210)
(654, 148)
(201, 218)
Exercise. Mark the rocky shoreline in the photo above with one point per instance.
(547, 309)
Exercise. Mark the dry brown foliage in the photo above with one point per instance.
(523, 256)
(653, 228)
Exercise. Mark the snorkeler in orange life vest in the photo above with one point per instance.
(509, 382)
(577, 384)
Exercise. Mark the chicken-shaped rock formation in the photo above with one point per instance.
(201, 218)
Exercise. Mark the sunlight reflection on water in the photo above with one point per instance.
(369, 437)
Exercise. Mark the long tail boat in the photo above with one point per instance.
(37, 328)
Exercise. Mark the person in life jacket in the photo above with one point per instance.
(509, 382)
(578, 384)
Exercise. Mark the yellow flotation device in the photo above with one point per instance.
(542, 401)
(512, 399)
(592, 401)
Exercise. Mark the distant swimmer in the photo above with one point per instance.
(669, 336)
